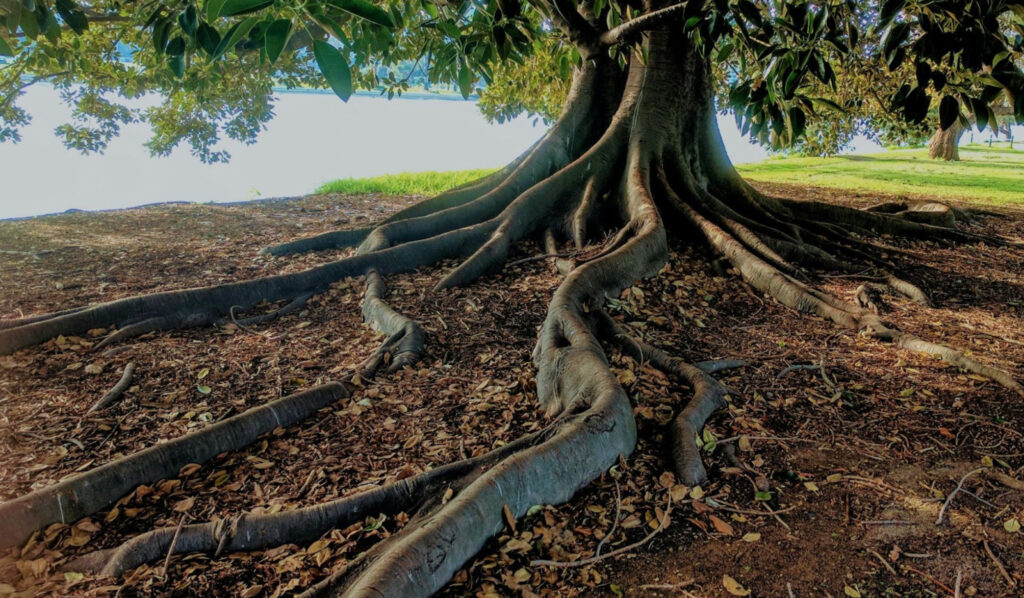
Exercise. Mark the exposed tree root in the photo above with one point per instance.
(404, 345)
(626, 151)
(201, 306)
(252, 531)
(293, 306)
(15, 322)
(98, 488)
(709, 396)
(114, 394)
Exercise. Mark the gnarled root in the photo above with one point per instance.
(760, 274)
(98, 488)
(252, 531)
(404, 345)
(201, 306)
(708, 396)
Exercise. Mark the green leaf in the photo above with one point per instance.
(334, 68)
(203, 389)
(208, 38)
(5, 48)
(980, 110)
(161, 31)
(949, 109)
(213, 9)
(763, 495)
(364, 10)
(465, 81)
(234, 35)
(240, 7)
(888, 11)
(72, 15)
(187, 20)
(797, 123)
(176, 47)
(276, 38)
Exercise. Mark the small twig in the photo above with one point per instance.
(999, 565)
(615, 524)
(959, 579)
(949, 499)
(115, 393)
(174, 540)
(594, 559)
(798, 367)
(241, 326)
(775, 514)
(543, 256)
(889, 522)
(929, 578)
(1004, 479)
(789, 588)
(977, 498)
(773, 438)
(883, 561)
(754, 513)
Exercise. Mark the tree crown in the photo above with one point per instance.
(781, 65)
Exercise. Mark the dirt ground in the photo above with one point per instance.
(825, 481)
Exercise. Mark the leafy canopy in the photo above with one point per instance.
(780, 65)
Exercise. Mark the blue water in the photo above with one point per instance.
(313, 138)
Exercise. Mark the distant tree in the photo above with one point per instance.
(633, 159)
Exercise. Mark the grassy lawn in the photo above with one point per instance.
(987, 175)
(984, 174)
(404, 183)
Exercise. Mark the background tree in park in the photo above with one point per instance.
(633, 162)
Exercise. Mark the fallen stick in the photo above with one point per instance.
(999, 565)
(952, 495)
(115, 393)
(596, 558)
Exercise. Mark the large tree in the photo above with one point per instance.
(634, 158)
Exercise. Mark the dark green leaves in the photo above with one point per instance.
(949, 110)
(161, 31)
(5, 48)
(276, 38)
(334, 68)
(234, 35)
(364, 10)
(188, 20)
(176, 47)
(208, 38)
(888, 11)
(71, 15)
(465, 81)
(240, 7)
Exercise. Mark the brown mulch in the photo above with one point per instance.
(858, 455)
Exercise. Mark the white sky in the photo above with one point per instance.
(312, 139)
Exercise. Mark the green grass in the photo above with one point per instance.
(404, 183)
(987, 175)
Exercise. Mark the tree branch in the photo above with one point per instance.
(640, 24)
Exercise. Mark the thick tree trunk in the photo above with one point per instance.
(944, 144)
(636, 157)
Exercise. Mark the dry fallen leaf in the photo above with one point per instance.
(184, 505)
(720, 525)
(733, 587)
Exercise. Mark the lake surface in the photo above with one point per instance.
(313, 138)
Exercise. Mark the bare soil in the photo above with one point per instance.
(857, 456)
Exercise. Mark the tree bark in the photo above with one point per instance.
(944, 144)
(636, 157)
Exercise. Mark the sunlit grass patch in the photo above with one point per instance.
(405, 183)
(983, 174)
